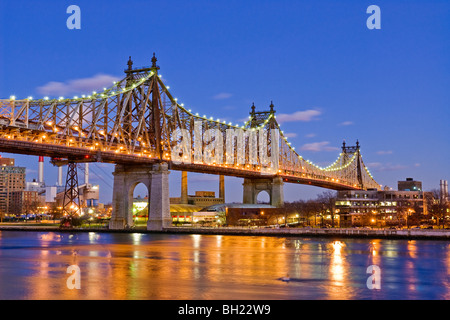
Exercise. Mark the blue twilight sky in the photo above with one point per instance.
(329, 76)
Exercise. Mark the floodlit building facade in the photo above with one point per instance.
(378, 208)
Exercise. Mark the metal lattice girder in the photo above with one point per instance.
(71, 201)
(134, 121)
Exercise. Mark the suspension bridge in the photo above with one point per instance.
(138, 125)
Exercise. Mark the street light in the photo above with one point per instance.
(407, 217)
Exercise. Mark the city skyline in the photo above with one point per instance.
(221, 57)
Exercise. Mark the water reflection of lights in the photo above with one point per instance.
(373, 248)
(448, 260)
(337, 263)
(226, 267)
(93, 253)
(219, 241)
(374, 251)
(412, 249)
(447, 265)
(196, 240)
(93, 237)
(337, 246)
(219, 246)
(297, 244)
(50, 237)
(137, 238)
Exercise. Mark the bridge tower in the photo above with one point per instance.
(156, 176)
(272, 185)
(347, 153)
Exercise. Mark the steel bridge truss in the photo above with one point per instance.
(134, 121)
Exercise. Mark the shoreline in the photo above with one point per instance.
(408, 234)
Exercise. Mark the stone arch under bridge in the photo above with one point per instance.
(156, 178)
(273, 186)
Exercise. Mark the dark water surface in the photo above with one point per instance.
(33, 265)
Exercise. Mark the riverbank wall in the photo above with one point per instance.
(323, 232)
(424, 234)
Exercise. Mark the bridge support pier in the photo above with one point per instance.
(222, 187)
(184, 188)
(273, 186)
(159, 208)
(156, 179)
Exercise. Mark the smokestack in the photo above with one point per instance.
(86, 173)
(446, 189)
(60, 174)
(443, 190)
(41, 170)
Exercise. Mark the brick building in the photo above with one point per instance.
(24, 202)
(11, 179)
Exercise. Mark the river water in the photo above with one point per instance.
(34, 265)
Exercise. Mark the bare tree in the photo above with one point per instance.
(55, 211)
(436, 207)
(31, 207)
(327, 200)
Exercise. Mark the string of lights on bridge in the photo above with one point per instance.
(115, 90)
